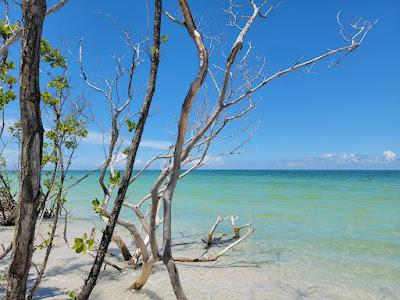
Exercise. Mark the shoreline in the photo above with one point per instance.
(277, 276)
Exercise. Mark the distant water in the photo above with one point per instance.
(345, 224)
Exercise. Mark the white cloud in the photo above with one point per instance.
(118, 158)
(209, 161)
(389, 155)
(342, 161)
(327, 155)
(342, 158)
(155, 144)
(95, 137)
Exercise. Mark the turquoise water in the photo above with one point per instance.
(344, 225)
(330, 213)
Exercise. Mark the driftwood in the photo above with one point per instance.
(236, 229)
(219, 254)
(211, 232)
(235, 240)
(122, 247)
(216, 240)
(148, 262)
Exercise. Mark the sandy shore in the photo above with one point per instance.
(232, 277)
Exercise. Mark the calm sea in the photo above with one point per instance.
(344, 223)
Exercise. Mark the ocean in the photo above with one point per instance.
(337, 227)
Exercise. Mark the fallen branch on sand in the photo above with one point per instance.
(236, 230)
(211, 241)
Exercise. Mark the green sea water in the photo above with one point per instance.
(343, 226)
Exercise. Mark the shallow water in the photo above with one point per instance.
(314, 229)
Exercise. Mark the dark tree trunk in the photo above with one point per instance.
(31, 151)
(108, 232)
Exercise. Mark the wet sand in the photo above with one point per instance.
(232, 277)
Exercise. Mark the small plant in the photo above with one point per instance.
(131, 125)
(84, 243)
(7, 30)
(44, 245)
(114, 179)
(7, 82)
(3, 276)
(52, 55)
(96, 206)
(71, 294)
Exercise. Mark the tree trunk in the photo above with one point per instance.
(144, 275)
(91, 280)
(31, 151)
(182, 128)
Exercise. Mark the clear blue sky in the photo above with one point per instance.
(342, 117)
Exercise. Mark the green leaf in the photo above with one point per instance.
(96, 202)
(59, 83)
(96, 206)
(82, 245)
(126, 151)
(48, 99)
(71, 294)
(153, 50)
(78, 241)
(7, 30)
(7, 81)
(131, 125)
(90, 243)
(115, 179)
(78, 245)
(71, 144)
(164, 38)
(80, 248)
(52, 55)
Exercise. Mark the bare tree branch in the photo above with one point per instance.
(16, 35)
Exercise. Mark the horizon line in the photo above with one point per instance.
(233, 169)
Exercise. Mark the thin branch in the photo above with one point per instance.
(173, 19)
(17, 34)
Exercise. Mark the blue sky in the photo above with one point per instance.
(334, 118)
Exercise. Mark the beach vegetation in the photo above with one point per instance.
(84, 243)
